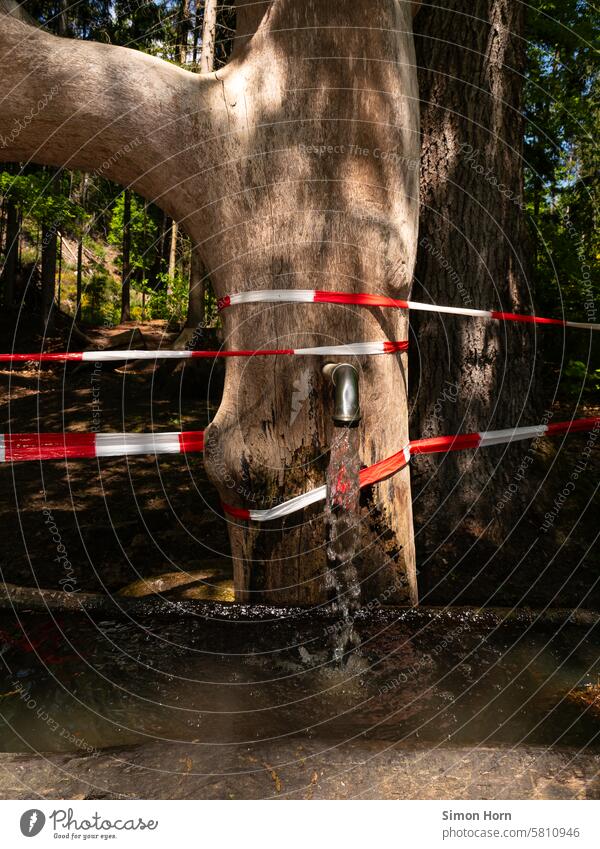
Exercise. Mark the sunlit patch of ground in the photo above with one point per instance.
(587, 697)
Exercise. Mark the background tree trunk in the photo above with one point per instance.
(79, 277)
(209, 36)
(183, 31)
(196, 309)
(470, 375)
(126, 253)
(79, 271)
(173, 253)
(11, 256)
(48, 275)
(62, 23)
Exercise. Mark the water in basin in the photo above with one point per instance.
(72, 683)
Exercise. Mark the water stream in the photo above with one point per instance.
(343, 517)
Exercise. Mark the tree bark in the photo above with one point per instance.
(126, 252)
(295, 166)
(161, 257)
(11, 256)
(59, 260)
(209, 37)
(469, 375)
(48, 275)
(183, 31)
(173, 253)
(196, 311)
(79, 277)
(63, 18)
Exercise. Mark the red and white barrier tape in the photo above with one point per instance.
(15, 447)
(315, 296)
(357, 349)
(385, 468)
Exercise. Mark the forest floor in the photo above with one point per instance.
(118, 519)
(114, 521)
(304, 770)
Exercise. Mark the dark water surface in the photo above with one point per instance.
(72, 683)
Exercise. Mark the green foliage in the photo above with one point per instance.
(143, 231)
(100, 302)
(42, 195)
(580, 380)
(562, 173)
(169, 300)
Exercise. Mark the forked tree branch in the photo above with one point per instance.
(96, 107)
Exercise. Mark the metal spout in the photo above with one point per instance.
(346, 411)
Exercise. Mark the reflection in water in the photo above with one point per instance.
(78, 684)
(343, 516)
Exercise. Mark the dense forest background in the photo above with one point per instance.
(79, 246)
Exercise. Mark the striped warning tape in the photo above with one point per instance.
(16, 447)
(315, 296)
(385, 468)
(357, 349)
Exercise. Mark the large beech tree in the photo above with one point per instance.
(295, 166)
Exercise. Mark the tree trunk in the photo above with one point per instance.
(293, 167)
(79, 274)
(209, 37)
(196, 312)
(469, 375)
(62, 23)
(11, 256)
(197, 28)
(330, 202)
(60, 260)
(160, 260)
(79, 287)
(173, 253)
(126, 252)
(48, 275)
(183, 30)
